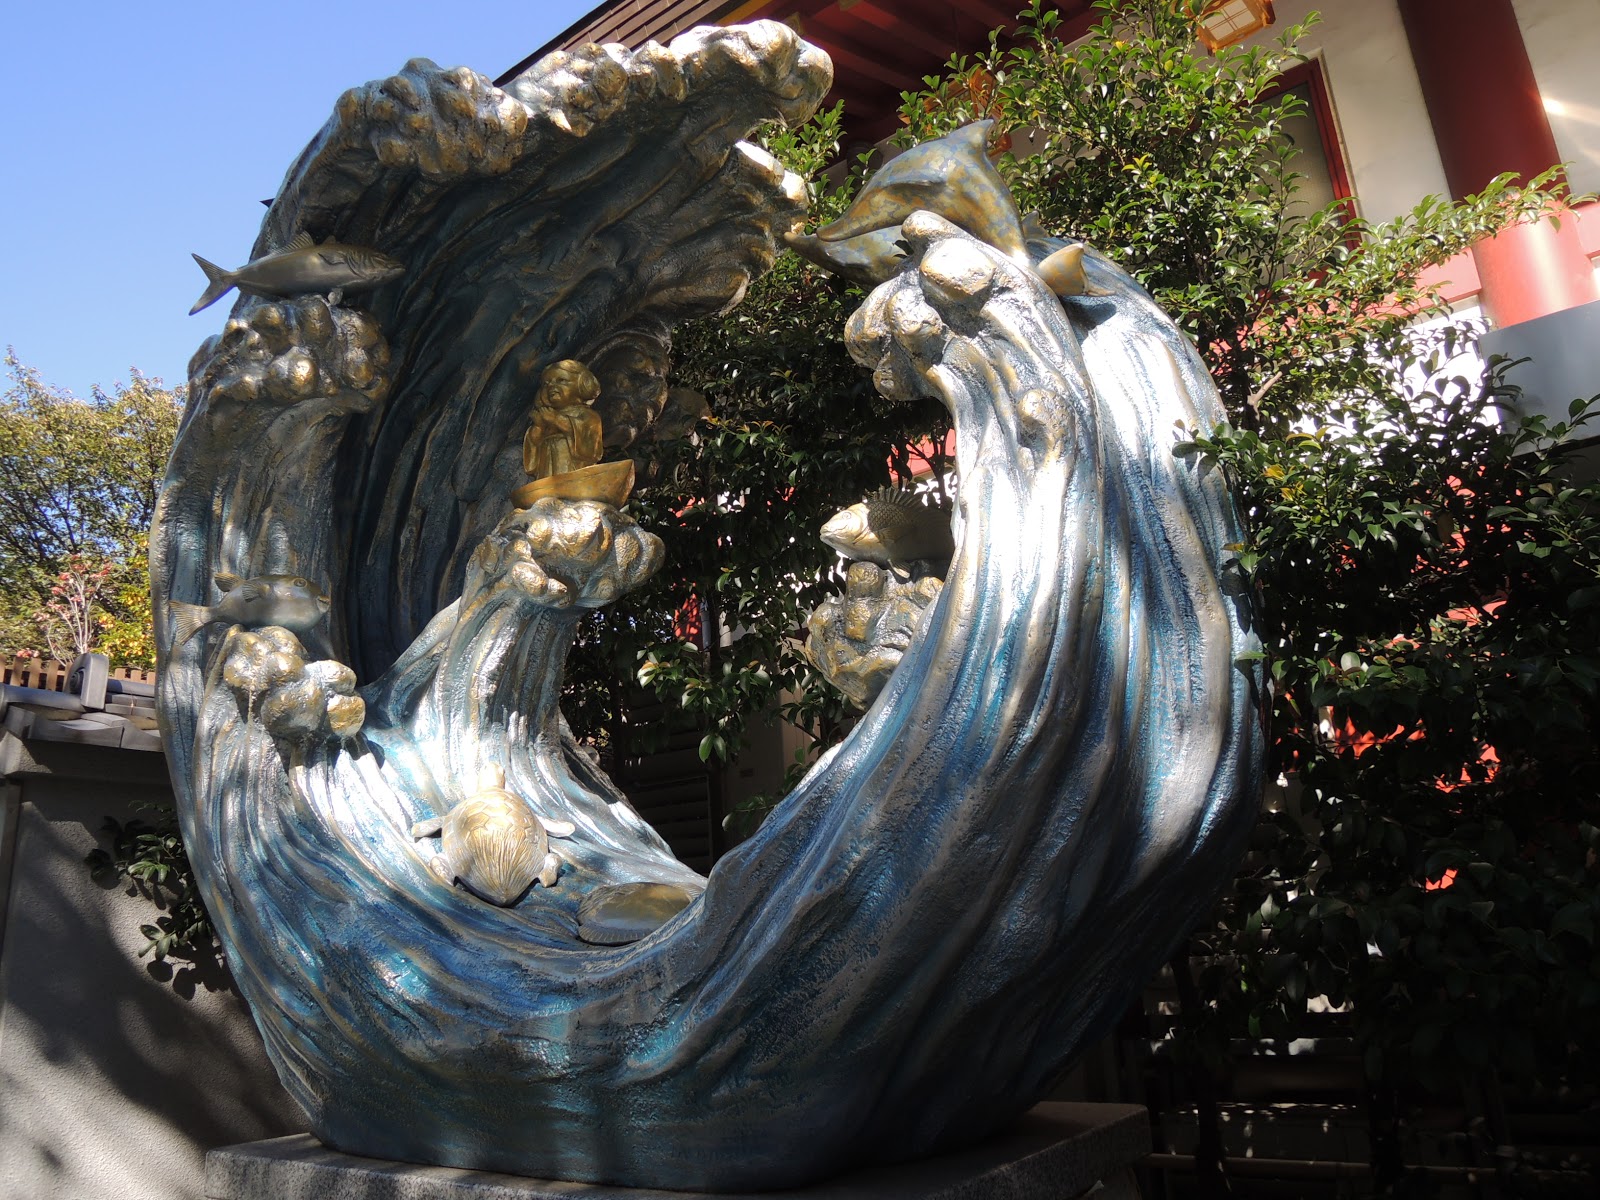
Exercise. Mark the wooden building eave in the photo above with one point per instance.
(880, 48)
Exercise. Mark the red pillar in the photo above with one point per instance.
(1488, 118)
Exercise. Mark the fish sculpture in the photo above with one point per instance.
(685, 408)
(893, 528)
(291, 601)
(302, 268)
(493, 843)
(951, 176)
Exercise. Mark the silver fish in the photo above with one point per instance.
(291, 601)
(685, 408)
(302, 268)
(891, 527)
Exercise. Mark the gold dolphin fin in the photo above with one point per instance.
(951, 176)
(1063, 273)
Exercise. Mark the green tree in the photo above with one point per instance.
(81, 482)
(797, 432)
(1432, 591)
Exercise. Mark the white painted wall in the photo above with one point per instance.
(1383, 122)
(1563, 40)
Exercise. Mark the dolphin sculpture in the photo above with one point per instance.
(867, 259)
(951, 176)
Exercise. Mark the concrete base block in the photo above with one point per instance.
(1056, 1152)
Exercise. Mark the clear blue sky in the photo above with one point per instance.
(136, 133)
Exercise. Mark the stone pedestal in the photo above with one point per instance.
(1056, 1152)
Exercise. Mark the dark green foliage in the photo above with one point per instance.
(151, 859)
(1432, 597)
(797, 433)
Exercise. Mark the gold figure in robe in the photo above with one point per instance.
(564, 433)
(565, 440)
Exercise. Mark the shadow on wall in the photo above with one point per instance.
(117, 1076)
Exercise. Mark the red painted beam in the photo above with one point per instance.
(845, 59)
(837, 27)
(992, 14)
(1484, 102)
(896, 30)
(1488, 118)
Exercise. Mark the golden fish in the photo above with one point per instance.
(891, 527)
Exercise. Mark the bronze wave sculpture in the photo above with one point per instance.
(917, 942)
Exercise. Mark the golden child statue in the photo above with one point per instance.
(562, 448)
(564, 433)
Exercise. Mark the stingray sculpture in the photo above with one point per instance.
(916, 943)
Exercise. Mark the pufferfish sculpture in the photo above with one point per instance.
(494, 843)
(291, 601)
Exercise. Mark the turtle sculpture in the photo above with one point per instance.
(494, 843)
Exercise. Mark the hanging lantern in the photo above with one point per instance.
(1225, 22)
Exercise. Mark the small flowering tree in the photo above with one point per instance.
(71, 620)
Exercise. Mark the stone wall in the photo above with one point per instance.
(117, 1073)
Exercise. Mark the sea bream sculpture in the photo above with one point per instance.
(899, 547)
(1037, 803)
(893, 527)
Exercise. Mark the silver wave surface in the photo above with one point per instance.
(1041, 801)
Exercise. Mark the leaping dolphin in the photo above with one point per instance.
(867, 259)
(951, 176)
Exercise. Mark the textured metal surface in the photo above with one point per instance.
(921, 936)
